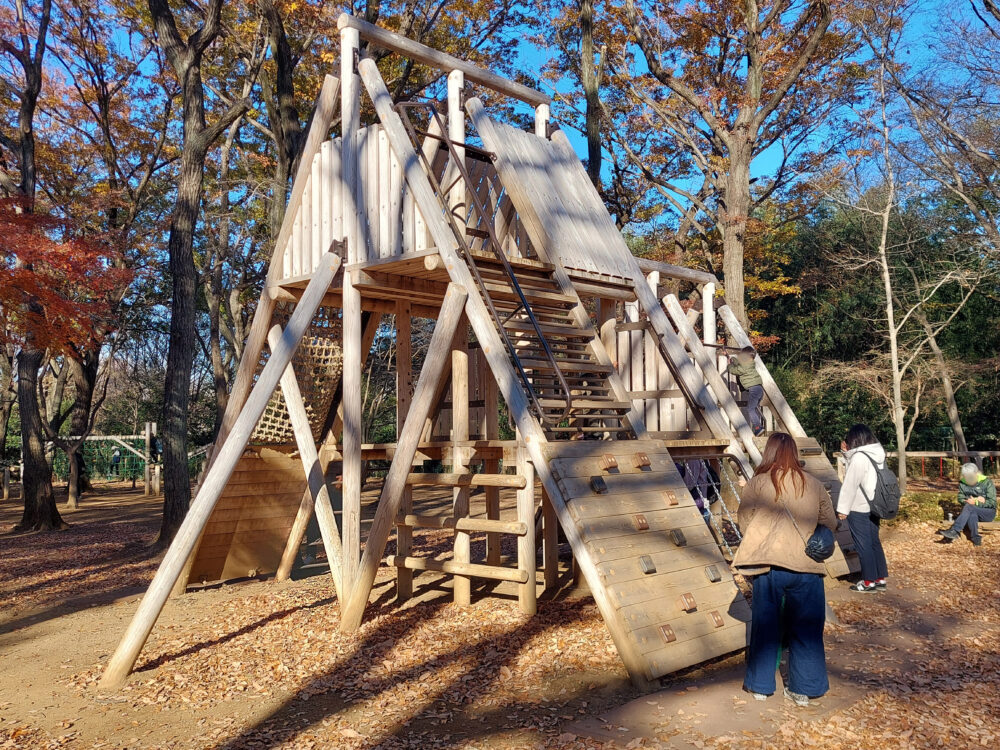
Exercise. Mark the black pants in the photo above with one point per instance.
(864, 531)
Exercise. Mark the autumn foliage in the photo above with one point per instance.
(56, 287)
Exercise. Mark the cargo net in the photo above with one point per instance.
(318, 364)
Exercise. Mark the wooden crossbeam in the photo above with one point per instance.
(318, 499)
(216, 477)
(433, 372)
(706, 361)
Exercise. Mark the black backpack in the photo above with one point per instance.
(884, 502)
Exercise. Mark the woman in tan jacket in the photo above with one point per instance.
(780, 508)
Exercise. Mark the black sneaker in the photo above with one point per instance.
(950, 534)
(881, 585)
(977, 541)
(864, 588)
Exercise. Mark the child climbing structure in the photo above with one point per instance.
(508, 247)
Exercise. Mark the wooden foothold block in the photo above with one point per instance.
(712, 571)
(640, 521)
(646, 564)
(640, 461)
(678, 538)
(609, 462)
(668, 633)
(717, 619)
(598, 485)
(687, 603)
(671, 497)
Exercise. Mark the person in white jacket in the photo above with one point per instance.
(864, 457)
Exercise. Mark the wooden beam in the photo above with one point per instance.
(550, 543)
(706, 361)
(440, 60)
(404, 395)
(465, 524)
(226, 458)
(465, 570)
(774, 394)
(319, 493)
(465, 479)
(462, 585)
(646, 265)
(491, 401)
(527, 598)
(433, 372)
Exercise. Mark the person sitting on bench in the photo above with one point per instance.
(743, 367)
(978, 496)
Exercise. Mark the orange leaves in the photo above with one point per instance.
(56, 288)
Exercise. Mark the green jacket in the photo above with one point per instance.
(984, 489)
(747, 374)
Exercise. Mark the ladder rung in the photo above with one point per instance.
(586, 403)
(567, 366)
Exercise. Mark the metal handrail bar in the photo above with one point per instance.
(494, 243)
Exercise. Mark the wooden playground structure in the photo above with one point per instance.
(437, 210)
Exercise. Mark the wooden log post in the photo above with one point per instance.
(491, 401)
(550, 542)
(526, 593)
(223, 464)
(6, 483)
(433, 372)
(404, 395)
(315, 471)
(706, 361)
(157, 479)
(462, 585)
(354, 215)
(146, 474)
(774, 394)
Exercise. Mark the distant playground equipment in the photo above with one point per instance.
(539, 306)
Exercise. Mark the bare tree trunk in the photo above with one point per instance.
(185, 57)
(83, 372)
(40, 511)
(8, 394)
(951, 406)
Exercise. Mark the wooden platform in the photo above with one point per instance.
(673, 593)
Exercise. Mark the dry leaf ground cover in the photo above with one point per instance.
(260, 665)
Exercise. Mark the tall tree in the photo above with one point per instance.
(728, 81)
(185, 56)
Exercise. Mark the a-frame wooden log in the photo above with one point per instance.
(431, 378)
(496, 354)
(315, 475)
(774, 394)
(370, 323)
(217, 476)
(709, 368)
(319, 128)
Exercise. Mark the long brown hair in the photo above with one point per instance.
(781, 458)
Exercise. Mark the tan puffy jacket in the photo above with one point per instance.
(769, 537)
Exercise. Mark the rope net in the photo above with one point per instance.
(318, 365)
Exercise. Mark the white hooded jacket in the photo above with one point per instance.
(860, 476)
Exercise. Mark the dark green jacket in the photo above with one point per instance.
(747, 374)
(985, 490)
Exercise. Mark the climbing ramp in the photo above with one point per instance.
(673, 597)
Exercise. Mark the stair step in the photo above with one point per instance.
(507, 297)
(549, 329)
(586, 403)
(527, 264)
(567, 366)
(590, 430)
(498, 274)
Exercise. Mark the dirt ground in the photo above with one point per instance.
(263, 665)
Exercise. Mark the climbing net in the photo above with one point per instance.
(318, 364)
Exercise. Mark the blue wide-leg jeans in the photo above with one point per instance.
(801, 621)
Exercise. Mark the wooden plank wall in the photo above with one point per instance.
(393, 225)
(643, 370)
(250, 524)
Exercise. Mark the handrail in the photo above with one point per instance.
(494, 243)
